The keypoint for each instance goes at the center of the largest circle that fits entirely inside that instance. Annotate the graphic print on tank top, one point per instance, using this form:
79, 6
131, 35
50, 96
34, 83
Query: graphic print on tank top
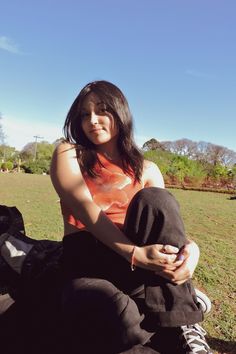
108, 189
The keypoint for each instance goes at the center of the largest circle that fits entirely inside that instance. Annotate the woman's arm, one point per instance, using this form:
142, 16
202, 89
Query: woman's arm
152, 176
68, 181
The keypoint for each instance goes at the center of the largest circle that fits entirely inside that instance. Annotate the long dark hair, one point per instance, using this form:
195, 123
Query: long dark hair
117, 105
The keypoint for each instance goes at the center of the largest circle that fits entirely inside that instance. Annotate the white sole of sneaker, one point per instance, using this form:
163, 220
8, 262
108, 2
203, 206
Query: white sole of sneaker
204, 301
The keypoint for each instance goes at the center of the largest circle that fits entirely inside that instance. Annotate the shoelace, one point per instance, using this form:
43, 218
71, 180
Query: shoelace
194, 336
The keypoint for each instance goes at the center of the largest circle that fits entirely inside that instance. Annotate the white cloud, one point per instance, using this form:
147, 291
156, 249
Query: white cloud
196, 73
8, 45
20, 132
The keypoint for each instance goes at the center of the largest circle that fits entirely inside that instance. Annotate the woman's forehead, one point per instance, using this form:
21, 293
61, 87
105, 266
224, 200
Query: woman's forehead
91, 99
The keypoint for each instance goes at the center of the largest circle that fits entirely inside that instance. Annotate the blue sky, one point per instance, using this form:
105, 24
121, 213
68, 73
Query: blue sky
174, 60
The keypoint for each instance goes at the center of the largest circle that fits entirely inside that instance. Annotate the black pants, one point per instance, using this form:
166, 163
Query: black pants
112, 307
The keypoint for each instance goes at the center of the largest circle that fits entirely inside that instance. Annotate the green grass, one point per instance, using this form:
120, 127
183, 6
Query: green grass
210, 220
39, 204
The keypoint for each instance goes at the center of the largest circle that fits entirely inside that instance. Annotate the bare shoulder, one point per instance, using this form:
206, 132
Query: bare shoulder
152, 176
65, 146
64, 163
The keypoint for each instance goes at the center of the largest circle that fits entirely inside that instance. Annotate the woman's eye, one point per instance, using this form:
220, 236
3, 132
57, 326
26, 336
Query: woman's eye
103, 110
84, 115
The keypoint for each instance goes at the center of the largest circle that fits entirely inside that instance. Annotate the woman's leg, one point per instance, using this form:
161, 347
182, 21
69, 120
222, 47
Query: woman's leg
100, 318
94, 308
153, 216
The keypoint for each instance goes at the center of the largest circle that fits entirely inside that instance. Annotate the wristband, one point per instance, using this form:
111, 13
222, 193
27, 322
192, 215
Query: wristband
132, 265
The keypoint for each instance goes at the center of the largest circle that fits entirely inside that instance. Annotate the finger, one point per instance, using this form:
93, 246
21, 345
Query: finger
181, 274
185, 251
164, 267
171, 276
168, 249
169, 259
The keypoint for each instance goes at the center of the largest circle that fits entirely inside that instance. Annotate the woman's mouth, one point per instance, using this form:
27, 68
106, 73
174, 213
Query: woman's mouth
96, 130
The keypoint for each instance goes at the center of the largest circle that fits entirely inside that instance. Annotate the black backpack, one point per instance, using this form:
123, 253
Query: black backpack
42, 265
11, 220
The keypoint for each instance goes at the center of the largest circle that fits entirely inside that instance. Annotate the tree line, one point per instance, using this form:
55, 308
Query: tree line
197, 164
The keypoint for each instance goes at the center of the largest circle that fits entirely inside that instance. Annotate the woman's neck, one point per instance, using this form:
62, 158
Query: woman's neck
114, 156
110, 151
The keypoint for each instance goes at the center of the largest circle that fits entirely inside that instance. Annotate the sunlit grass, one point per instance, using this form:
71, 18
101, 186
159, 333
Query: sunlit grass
39, 204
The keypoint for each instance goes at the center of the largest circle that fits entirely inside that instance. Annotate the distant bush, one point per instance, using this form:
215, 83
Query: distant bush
186, 171
179, 170
7, 166
161, 158
36, 167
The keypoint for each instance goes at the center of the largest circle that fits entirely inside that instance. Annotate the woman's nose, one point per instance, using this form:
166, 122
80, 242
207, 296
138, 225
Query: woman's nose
94, 118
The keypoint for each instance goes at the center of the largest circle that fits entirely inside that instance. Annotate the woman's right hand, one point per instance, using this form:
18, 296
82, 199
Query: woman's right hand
157, 257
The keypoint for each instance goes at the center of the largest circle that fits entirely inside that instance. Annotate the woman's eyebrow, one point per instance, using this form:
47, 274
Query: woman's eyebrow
97, 104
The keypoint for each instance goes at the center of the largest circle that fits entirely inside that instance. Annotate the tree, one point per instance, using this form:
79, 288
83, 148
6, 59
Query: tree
2, 135
7, 153
44, 151
152, 144
183, 147
206, 153
27, 153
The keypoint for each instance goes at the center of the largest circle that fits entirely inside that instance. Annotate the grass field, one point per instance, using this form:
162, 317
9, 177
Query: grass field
210, 220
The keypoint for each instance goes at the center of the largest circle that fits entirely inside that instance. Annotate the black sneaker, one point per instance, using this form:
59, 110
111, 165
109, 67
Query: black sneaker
193, 340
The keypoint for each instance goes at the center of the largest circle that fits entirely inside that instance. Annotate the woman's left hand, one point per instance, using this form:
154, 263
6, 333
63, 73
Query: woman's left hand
190, 255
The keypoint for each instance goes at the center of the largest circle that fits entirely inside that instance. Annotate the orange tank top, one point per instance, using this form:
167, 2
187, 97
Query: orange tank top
112, 190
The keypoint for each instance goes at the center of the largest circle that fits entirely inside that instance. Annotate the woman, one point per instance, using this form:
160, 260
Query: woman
119, 218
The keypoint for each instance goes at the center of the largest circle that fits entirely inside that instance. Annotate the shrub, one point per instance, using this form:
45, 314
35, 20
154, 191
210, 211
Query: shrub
36, 167
186, 170
7, 166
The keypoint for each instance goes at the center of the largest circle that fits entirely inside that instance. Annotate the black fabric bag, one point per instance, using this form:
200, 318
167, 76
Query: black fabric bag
11, 220
42, 266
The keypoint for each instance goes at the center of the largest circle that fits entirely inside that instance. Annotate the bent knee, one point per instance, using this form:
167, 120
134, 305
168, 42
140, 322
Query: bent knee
154, 194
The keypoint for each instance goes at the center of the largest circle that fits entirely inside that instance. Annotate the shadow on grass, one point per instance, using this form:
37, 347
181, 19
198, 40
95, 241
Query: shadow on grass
222, 346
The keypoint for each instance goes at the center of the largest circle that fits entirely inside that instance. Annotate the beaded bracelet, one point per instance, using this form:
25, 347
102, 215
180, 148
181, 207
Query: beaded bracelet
132, 265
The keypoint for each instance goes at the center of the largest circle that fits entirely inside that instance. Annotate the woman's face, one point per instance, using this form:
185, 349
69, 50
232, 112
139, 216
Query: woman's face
98, 125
